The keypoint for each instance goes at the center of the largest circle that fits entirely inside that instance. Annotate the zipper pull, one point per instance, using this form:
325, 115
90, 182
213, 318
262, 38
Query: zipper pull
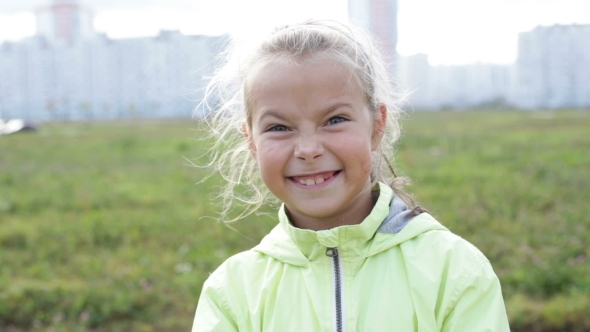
331, 252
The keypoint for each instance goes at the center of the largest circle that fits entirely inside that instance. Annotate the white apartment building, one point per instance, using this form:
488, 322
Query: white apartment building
553, 68
379, 18
413, 81
68, 72
469, 86
424, 86
552, 71
443, 87
65, 21
105, 79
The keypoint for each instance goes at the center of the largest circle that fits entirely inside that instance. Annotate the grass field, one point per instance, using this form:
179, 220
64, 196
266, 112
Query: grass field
102, 227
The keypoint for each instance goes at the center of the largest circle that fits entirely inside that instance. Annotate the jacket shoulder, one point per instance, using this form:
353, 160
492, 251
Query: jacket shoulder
241, 263
451, 244
454, 266
445, 247
469, 290
451, 260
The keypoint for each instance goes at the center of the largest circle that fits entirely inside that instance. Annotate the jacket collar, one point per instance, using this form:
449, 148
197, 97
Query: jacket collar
299, 246
389, 224
350, 235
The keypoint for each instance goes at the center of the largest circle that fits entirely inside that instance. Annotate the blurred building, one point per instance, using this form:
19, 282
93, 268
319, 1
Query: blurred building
65, 21
552, 71
425, 86
553, 67
379, 18
101, 78
69, 72
414, 81
452, 87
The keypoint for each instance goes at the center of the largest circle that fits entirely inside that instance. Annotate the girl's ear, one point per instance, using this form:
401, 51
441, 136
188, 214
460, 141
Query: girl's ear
248, 136
379, 123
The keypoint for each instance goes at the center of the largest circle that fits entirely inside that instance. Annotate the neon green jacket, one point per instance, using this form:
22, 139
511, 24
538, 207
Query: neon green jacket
393, 272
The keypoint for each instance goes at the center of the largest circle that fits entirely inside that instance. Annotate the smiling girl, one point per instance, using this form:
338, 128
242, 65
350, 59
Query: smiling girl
311, 113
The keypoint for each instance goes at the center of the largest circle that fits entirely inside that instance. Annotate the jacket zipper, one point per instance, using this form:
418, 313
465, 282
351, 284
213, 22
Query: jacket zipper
333, 253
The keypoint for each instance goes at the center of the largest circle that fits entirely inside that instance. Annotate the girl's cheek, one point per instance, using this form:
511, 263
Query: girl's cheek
270, 152
264, 146
367, 165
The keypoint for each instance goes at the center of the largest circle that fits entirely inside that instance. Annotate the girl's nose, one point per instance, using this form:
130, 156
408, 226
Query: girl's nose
308, 148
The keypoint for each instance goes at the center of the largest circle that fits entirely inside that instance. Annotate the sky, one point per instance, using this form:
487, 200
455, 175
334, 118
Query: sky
451, 32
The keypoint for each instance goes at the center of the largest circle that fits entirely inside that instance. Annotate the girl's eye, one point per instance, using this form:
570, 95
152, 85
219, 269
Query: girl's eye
335, 120
278, 128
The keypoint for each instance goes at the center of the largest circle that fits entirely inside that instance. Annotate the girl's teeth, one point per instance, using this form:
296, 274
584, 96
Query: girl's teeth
310, 181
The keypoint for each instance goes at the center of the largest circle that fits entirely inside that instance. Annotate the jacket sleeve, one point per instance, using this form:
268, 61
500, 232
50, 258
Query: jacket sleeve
213, 313
479, 306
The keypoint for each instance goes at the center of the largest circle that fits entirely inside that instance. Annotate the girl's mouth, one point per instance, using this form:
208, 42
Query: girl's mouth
313, 179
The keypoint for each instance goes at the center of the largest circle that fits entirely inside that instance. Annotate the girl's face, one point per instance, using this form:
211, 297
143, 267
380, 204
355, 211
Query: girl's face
312, 135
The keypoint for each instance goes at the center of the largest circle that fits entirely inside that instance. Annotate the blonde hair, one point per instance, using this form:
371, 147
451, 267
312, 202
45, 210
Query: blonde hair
227, 94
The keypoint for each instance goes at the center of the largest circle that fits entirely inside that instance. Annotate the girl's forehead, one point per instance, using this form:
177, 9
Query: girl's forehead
294, 72
283, 64
305, 87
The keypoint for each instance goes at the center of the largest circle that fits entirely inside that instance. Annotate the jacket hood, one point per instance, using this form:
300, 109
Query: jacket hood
389, 224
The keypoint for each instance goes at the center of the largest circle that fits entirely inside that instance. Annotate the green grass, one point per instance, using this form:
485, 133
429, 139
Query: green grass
103, 227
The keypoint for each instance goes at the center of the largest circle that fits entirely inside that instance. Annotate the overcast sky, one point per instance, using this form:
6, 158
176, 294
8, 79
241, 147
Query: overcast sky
449, 31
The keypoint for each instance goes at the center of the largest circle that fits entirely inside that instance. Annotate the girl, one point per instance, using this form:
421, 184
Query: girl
311, 111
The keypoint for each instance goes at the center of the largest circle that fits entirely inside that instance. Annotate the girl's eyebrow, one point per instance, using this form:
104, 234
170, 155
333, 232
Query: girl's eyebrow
336, 106
272, 113
280, 116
